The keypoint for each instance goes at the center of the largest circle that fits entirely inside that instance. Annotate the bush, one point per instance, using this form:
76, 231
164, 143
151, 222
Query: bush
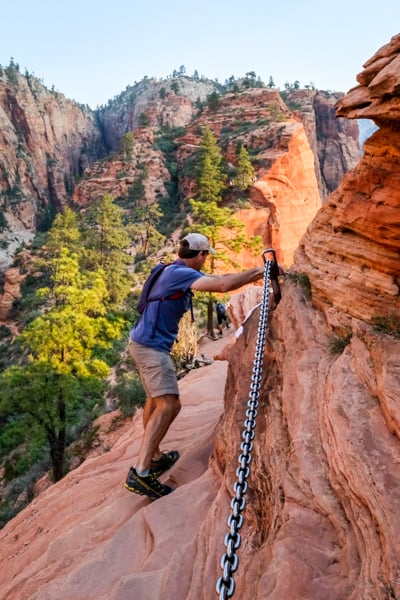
304, 282
387, 325
185, 348
129, 393
338, 343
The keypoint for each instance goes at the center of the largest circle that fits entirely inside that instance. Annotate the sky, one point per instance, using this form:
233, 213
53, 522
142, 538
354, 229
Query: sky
92, 50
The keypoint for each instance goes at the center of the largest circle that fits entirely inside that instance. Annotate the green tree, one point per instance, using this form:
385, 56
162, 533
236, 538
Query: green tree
144, 120
213, 101
245, 171
62, 364
146, 219
127, 145
106, 241
210, 175
65, 233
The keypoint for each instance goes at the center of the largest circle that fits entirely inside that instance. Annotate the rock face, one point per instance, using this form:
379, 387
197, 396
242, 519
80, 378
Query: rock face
117, 176
334, 141
165, 103
12, 291
322, 509
284, 196
46, 141
355, 238
376, 97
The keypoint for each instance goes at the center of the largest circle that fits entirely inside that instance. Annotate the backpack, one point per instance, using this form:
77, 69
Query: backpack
220, 308
144, 297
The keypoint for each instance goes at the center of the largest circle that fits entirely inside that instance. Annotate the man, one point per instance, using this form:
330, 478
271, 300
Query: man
150, 344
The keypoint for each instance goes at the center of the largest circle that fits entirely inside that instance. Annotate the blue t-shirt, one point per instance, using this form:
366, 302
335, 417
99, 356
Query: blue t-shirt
158, 324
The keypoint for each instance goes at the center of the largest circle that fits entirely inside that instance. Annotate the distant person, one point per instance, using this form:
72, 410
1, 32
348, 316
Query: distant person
222, 317
150, 343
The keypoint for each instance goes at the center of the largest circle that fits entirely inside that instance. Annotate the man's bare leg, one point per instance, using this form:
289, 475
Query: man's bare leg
160, 413
147, 412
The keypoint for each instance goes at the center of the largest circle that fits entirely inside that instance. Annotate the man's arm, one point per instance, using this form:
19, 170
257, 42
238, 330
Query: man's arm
227, 282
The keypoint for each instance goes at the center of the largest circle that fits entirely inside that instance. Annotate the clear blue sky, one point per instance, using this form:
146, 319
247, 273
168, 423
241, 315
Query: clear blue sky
91, 50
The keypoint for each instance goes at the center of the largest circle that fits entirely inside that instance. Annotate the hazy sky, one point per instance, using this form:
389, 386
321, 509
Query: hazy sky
91, 50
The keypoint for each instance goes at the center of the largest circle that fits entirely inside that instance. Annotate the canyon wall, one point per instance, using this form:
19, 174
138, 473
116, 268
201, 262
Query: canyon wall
50, 144
46, 142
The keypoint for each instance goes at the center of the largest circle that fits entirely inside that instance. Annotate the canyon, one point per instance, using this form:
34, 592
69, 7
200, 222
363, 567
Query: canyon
321, 517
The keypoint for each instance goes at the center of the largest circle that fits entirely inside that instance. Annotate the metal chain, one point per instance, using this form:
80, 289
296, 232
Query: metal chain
229, 561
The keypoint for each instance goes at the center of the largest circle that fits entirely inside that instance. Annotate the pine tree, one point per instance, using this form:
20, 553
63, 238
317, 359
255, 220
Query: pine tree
106, 240
211, 219
127, 145
65, 233
245, 170
63, 372
210, 175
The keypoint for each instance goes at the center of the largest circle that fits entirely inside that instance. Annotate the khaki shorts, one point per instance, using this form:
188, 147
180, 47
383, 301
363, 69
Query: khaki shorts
156, 370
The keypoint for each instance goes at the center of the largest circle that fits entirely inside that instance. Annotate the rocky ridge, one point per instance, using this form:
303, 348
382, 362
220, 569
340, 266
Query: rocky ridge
48, 142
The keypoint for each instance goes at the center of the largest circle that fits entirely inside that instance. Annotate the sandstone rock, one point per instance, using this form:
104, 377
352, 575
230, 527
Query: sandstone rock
45, 139
12, 291
355, 237
377, 97
334, 141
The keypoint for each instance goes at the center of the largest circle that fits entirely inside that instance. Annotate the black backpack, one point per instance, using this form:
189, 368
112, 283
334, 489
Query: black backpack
144, 297
220, 309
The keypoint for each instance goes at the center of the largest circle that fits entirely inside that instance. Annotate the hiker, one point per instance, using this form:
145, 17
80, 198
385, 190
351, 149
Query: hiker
150, 343
222, 317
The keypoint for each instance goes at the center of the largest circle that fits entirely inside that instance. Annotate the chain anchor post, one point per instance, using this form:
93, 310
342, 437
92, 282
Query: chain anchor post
274, 274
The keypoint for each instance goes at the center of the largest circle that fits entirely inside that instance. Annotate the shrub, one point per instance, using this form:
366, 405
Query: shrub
387, 325
338, 343
185, 348
121, 175
129, 393
303, 281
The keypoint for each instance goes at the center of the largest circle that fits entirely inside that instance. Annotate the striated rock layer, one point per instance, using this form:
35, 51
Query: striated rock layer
351, 249
46, 141
334, 141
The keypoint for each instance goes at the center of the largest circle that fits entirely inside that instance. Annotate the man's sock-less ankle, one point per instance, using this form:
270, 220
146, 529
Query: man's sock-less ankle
143, 473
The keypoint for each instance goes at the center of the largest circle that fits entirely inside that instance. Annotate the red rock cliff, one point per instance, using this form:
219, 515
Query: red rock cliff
45, 141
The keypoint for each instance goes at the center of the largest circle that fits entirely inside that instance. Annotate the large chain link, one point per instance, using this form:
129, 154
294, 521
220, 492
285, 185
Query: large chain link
229, 561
